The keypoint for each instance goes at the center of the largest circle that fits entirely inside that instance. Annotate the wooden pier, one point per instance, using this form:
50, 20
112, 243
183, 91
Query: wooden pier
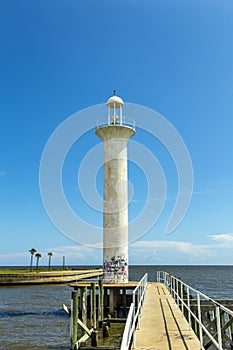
162, 325
97, 305
158, 316
117, 297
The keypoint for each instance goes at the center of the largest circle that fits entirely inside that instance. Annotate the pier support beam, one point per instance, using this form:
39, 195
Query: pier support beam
124, 302
101, 302
83, 298
93, 291
113, 301
74, 319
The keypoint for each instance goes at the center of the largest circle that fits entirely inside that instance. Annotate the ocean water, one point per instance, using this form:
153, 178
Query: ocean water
31, 317
214, 281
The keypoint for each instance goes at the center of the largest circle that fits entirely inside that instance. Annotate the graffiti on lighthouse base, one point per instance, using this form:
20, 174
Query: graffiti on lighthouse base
116, 269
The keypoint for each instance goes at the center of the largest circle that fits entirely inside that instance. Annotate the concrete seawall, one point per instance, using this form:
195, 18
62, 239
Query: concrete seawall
48, 277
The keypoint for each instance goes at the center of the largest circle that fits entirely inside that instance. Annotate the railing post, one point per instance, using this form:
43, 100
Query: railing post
141, 297
133, 340
166, 280
174, 289
199, 319
138, 300
172, 293
218, 321
189, 314
182, 297
177, 292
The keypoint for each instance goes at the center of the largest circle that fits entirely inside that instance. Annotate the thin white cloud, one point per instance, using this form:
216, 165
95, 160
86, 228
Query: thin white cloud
14, 259
226, 237
136, 201
74, 255
141, 252
75, 248
77, 254
183, 247
203, 193
223, 240
170, 252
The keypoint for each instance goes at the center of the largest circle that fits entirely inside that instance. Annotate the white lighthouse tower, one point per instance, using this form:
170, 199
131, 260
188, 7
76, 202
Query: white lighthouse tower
115, 132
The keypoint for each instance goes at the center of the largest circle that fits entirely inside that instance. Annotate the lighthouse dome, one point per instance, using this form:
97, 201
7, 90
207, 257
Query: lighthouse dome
115, 100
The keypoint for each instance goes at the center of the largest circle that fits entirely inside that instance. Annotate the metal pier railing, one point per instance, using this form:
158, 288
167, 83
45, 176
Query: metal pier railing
134, 314
211, 321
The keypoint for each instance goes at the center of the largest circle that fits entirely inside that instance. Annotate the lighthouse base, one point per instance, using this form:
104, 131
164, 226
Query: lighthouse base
115, 269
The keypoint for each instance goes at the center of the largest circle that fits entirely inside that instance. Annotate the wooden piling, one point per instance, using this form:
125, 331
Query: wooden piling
83, 303
194, 322
101, 302
93, 292
106, 301
111, 302
105, 330
116, 302
74, 320
94, 338
124, 302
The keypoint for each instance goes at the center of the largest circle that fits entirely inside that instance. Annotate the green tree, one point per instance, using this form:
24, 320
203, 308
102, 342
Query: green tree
38, 256
50, 256
32, 251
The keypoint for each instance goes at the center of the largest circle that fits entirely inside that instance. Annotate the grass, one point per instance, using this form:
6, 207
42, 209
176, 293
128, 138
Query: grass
7, 271
19, 271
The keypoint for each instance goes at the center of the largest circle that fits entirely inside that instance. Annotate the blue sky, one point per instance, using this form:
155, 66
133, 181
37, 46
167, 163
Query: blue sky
175, 57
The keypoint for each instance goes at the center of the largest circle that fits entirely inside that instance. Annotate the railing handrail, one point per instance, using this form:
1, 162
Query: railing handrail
112, 121
200, 293
172, 283
127, 330
134, 315
142, 280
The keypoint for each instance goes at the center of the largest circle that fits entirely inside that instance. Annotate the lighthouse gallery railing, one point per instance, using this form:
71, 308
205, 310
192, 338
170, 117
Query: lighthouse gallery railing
115, 120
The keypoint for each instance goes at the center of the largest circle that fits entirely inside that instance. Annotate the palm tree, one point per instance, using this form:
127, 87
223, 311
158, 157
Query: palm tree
38, 256
50, 256
32, 251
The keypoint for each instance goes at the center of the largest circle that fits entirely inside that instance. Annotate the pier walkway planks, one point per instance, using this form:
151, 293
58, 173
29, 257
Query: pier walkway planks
162, 326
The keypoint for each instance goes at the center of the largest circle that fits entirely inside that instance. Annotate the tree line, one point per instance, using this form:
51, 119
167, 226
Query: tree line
38, 256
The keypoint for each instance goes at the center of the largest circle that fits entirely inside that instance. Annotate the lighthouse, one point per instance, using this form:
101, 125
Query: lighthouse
115, 131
